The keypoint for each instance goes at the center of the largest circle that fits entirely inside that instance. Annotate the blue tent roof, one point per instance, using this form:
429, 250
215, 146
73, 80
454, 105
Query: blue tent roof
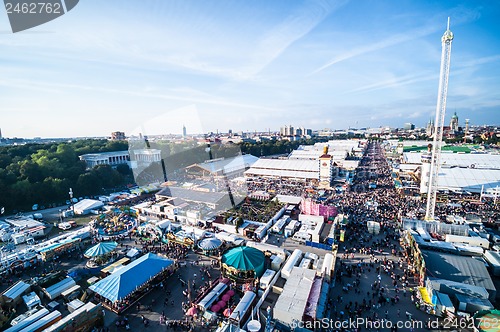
127, 279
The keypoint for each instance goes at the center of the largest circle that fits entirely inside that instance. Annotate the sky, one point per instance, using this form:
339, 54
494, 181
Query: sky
152, 66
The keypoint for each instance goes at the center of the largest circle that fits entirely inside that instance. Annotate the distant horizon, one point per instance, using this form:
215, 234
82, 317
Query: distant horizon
156, 65
220, 132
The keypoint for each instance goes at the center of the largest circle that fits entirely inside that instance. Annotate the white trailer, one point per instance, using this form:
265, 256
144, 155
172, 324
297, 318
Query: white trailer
470, 240
315, 234
265, 247
493, 259
305, 263
276, 262
214, 294
28, 321
291, 228
43, 322
266, 279
280, 224
328, 267
243, 308
290, 263
301, 237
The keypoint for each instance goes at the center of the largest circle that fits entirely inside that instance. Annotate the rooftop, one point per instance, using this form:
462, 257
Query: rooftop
101, 155
227, 164
194, 195
456, 268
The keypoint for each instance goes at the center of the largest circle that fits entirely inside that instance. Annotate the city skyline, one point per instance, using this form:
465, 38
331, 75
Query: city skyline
152, 67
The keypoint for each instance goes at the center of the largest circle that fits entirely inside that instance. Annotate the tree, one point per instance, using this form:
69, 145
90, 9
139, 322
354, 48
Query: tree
123, 169
88, 184
66, 154
31, 171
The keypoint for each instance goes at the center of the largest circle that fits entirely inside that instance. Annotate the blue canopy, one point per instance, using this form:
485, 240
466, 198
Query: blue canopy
210, 243
124, 281
100, 249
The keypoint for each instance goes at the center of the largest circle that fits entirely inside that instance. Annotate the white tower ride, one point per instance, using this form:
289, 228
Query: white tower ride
439, 122
425, 170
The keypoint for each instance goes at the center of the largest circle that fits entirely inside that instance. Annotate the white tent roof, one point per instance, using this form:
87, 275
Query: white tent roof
469, 179
287, 164
283, 173
88, 204
315, 154
305, 154
288, 168
289, 199
349, 164
228, 165
293, 300
473, 160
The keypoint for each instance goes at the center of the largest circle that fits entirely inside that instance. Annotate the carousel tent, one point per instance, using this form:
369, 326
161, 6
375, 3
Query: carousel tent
209, 244
124, 281
245, 259
100, 249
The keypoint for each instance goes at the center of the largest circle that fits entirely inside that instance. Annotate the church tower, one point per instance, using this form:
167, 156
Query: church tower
325, 169
454, 122
429, 130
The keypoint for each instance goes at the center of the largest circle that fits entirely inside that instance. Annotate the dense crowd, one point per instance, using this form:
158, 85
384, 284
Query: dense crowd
372, 258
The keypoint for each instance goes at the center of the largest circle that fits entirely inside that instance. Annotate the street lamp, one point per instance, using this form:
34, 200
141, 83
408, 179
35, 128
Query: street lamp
71, 199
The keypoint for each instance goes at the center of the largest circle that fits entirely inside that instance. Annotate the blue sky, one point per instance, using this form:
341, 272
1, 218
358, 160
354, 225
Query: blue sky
152, 66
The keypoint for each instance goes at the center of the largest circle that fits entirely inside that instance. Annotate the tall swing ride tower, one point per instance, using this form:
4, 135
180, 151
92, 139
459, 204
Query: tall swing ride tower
439, 123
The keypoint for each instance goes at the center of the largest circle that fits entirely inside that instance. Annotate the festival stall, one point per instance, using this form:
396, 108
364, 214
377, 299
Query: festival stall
121, 289
59, 248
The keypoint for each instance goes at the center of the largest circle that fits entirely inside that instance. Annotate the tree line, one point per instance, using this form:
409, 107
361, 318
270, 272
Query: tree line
43, 173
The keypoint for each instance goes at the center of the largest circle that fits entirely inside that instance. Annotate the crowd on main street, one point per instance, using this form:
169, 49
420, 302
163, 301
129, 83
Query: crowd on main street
372, 280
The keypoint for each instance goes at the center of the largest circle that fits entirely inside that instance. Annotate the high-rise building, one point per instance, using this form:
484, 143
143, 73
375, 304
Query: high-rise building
287, 131
291, 131
118, 136
409, 126
184, 132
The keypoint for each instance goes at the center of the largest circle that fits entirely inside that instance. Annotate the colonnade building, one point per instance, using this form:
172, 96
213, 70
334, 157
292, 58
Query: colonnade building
144, 156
